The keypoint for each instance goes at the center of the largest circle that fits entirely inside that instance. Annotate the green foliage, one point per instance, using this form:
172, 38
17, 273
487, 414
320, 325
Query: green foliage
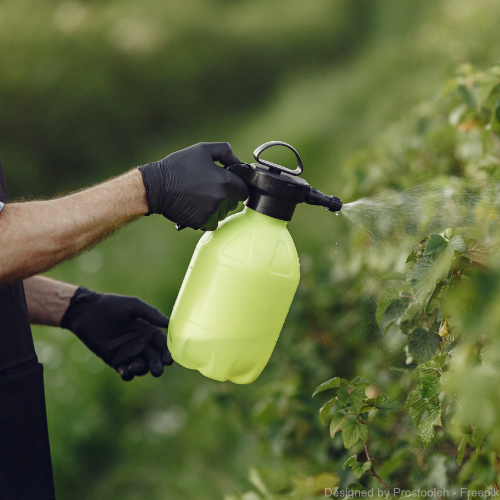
358, 469
424, 400
330, 384
385, 405
422, 344
436, 266
351, 408
352, 431
440, 304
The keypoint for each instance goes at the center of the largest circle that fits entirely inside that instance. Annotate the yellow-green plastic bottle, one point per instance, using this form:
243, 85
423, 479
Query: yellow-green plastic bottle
235, 297
242, 278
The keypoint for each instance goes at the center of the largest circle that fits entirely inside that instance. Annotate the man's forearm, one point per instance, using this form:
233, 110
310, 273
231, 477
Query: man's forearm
47, 300
35, 236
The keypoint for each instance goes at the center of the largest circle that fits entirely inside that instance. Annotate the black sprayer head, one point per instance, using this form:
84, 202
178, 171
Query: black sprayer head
275, 190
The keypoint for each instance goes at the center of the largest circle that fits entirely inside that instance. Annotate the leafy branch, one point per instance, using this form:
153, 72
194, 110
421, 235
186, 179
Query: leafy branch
415, 302
347, 412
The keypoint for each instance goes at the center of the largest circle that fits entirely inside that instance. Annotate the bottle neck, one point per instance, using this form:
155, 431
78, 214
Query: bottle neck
250, 212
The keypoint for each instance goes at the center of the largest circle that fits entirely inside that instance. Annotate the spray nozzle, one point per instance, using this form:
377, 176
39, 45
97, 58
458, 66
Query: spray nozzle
316, 197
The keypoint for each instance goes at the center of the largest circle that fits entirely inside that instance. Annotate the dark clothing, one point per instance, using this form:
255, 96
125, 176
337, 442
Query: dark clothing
25, 465
16, 343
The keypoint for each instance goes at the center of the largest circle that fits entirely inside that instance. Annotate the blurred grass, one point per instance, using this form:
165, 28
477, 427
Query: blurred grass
91, 89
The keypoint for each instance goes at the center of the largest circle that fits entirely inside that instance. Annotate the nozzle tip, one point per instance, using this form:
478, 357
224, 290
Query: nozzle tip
335, 205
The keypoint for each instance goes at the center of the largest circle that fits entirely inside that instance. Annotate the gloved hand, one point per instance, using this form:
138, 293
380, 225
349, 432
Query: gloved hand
121, 330
188, 188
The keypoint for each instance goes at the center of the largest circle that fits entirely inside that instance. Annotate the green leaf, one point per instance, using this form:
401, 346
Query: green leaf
412, 257
389, 295
478, 436
435, 246
336, 423
416, 405
353, 431
324, 412
356, 487
394, 313
423, 277
434, 364
358, 469
453, 231
428, 303
344, 397
367, 466
387, 405
350, 461
423, 406
359, 381
413, 315
358, 395
423, 344
329, 384
430, 385
355, 398
426, 427
476, 252
461, 448
457, 244
366, 409
463, 263
404, 326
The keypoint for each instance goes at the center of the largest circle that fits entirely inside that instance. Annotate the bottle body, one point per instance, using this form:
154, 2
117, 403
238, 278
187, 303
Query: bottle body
235, 297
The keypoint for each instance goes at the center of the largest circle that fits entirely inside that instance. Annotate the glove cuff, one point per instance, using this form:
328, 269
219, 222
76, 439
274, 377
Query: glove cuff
158, 182
81, 298
150, 173
146, 186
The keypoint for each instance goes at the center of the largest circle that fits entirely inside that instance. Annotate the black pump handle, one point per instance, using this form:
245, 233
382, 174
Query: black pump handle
273, 166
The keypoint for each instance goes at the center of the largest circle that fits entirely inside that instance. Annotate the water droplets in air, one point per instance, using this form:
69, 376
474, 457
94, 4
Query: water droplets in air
391, 222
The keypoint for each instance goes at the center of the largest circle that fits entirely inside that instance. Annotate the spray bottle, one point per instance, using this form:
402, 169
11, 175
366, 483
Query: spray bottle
243, 276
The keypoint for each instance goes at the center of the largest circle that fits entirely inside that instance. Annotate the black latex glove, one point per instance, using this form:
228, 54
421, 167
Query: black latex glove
188, 188
123, 331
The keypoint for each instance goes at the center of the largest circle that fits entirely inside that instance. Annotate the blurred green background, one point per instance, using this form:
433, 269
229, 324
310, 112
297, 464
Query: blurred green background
91, 89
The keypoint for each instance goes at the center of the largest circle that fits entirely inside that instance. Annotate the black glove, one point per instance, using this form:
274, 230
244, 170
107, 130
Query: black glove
188, 188
121, 330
